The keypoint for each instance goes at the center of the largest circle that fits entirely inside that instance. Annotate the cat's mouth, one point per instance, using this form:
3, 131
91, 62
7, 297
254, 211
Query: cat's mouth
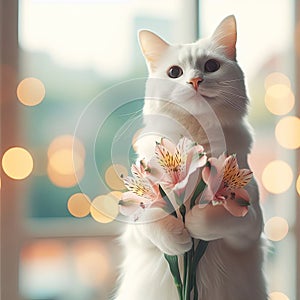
202, 91
207, 94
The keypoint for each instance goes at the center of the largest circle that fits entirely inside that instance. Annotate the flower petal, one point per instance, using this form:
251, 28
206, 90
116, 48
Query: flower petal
234, 177
242, 194
206, 174
230, 165
219, 162
239, 205
167, 144
235, 209
131, 204
184, 145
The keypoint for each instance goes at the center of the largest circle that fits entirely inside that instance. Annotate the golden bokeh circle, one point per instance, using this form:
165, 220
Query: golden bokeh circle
64, 180
17, 163
114, 176
277, 78
65, 161
66, 141
287, 132
279, 99
277, 177
79, 205
104, 208
276, 228
278, 296
31, 91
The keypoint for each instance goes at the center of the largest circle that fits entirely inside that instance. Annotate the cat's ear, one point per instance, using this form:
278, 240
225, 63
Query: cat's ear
225, 36
152, 46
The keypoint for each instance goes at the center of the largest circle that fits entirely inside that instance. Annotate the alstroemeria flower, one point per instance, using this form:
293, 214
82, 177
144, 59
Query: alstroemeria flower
225, 184
175, 163
142, 193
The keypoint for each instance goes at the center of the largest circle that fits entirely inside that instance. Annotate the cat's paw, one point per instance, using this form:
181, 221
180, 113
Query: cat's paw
205, 222
176, 239
169, 235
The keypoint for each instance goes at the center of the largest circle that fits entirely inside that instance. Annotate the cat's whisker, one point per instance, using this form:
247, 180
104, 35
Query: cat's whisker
232, 80
233, 104
234, 94
227, 86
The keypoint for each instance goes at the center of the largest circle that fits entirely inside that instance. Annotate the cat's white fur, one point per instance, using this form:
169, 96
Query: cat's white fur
214, 116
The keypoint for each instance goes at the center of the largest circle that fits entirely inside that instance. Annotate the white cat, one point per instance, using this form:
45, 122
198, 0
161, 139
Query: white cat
196, 90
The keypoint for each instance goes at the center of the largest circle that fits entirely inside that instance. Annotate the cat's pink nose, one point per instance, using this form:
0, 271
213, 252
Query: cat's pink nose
195, 82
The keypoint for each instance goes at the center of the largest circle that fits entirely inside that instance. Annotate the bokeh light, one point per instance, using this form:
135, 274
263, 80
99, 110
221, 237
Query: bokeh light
279, 99
287, 132
278, 296
277, 78
79, 205
66, 158
277, 177
65, 161
62, 180
66, 141
92, 262
298, 185
17, 163
276, 228
114, 176
105, 208
116, 194
44, 249
31, 91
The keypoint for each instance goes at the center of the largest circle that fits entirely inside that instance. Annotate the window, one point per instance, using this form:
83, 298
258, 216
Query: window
65, 120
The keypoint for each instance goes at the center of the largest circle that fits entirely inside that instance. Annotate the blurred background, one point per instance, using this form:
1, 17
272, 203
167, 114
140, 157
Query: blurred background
62, 124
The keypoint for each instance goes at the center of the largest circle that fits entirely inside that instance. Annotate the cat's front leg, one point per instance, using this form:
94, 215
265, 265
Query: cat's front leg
165, 232
215, 222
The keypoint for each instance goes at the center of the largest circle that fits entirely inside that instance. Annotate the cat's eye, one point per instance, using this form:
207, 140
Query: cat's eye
212, 65
174, 72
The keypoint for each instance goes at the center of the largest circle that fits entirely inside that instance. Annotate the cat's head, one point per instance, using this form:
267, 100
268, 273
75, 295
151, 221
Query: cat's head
207, 67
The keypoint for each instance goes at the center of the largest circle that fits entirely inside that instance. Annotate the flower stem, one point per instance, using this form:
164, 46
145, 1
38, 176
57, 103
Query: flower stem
188, 284
182, 210
199, 252
199, 189
173, 265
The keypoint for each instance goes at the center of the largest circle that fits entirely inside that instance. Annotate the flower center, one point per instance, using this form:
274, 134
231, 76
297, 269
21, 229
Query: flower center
171, 163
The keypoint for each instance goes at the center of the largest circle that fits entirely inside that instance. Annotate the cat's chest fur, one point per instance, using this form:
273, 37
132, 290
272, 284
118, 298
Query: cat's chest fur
215, 135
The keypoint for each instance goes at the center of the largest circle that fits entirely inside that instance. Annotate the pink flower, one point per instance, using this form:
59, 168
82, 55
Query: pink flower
142, 193
225, 184
174, 164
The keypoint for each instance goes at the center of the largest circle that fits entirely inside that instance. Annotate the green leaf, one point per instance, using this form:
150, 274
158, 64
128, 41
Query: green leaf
199, 252
188, 283
173, 265
182, 210
199, 189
